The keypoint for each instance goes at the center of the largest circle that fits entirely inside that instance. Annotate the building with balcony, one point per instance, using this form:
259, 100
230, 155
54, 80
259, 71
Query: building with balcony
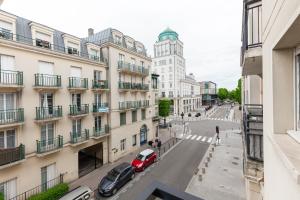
281, 64
53, 105
208, 92
131, 108
252, 98
169, 62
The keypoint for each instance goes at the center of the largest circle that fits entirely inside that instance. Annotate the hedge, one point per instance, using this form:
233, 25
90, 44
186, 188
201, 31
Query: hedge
53, 193
1, 196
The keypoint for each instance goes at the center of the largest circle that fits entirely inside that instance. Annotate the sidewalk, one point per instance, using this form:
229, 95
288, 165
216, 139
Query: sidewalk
223, 178
92, 179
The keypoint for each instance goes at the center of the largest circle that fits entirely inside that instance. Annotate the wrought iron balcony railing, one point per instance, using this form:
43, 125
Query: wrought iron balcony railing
11, 78
99, 84
99, 131
100, 107
11, 116
46, 80
43, 113
131, 68
45, 146
78, 83
11, 155
79, 110
80, 136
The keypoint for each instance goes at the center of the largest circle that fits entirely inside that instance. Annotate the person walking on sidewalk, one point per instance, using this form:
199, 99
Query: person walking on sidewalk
218, 136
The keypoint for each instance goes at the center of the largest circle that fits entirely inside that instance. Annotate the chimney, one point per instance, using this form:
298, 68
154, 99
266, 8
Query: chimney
91, 31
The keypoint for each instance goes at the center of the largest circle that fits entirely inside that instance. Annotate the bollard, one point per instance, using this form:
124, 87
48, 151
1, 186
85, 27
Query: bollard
213, 149
208, 159
200, 177
203, 170
210, 154
206, 164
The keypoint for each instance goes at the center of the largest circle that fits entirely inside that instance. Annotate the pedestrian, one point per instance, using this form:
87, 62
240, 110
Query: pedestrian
218, 136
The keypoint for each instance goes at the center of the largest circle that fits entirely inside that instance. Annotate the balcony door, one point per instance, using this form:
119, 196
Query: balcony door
47, 136
47, 69
7, 68
76, 74
76, 100
98, 123
9, 188
47, 104
48, 173
76, 127
98, 100
7, 139
7, 107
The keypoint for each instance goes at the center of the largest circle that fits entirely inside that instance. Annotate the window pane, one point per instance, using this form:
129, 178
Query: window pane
10, 138
1, 139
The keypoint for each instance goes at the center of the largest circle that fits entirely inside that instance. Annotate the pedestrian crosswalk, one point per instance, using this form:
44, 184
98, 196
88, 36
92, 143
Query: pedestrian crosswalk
199, 138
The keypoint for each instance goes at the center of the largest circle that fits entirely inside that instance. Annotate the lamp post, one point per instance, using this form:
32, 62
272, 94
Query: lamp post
182, 115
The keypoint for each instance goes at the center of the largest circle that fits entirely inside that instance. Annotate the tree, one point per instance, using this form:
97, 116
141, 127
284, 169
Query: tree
164, 108
238, 92
222, 93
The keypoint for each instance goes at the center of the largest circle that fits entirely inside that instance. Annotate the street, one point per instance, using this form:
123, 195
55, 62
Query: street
177, 167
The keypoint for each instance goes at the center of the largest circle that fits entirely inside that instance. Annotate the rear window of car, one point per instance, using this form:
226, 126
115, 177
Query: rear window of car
140, 157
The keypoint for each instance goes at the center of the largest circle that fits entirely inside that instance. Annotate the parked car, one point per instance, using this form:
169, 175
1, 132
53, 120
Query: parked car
189, 114
115, 179
144, 159
198, 115
79, 193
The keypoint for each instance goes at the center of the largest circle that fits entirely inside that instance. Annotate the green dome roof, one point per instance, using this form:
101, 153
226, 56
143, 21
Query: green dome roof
168, 34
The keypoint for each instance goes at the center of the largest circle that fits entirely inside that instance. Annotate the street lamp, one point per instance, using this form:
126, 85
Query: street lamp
182, 115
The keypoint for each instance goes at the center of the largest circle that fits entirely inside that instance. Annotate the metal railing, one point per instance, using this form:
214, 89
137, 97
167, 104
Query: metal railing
133, 86
99, 84
124, 85
81, 83
145, 103
41, 188
8, 35
11, 116
79, 110
8, 77
43, 113
81, 136
98, 131
100, 107
125, 105
44, 146
11, 155
124, 66
46, 80
253, 131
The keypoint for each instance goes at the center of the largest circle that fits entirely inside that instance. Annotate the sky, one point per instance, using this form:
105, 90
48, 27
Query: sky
209, 29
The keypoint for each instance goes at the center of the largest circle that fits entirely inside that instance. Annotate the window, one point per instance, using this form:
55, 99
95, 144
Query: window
6, 63
170, 61
122, 119
171, 85
170, 69
46, 101
9, 188
170, 93
170, 76
162, 78
121, 58
97, 75
143, 114
118, 39
133, 61
134, 116
155, 63
162, 62
142, 63
97, 122
123, 144
72, 48
47, 136
162, 85
46, 68
48, 173
8, 139
76, 100
94, 54
162, 70
76, 127
43, 40
133, 140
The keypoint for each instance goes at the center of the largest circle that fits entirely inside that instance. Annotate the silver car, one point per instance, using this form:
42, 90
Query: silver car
79, 193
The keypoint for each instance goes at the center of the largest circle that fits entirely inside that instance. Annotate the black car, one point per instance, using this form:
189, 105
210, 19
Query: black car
115, 179
198, 115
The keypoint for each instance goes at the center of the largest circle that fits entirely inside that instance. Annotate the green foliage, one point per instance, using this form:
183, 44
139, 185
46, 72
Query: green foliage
53, 193
1, 196
223, 93
164, 107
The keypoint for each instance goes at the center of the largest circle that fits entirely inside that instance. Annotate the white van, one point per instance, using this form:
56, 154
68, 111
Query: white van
79, 193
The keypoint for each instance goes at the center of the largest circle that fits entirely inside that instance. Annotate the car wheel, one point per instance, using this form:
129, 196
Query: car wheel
132, 176
143, 169
114, 191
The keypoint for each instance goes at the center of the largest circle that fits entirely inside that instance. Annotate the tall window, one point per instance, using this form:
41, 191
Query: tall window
122, 119
121, 58
76, 127
143, 114
97, 122
297, 78
9, 188
76, 99
97, 75
123, 144
134, 116
48, 173
8, 138
47, 135
134, 140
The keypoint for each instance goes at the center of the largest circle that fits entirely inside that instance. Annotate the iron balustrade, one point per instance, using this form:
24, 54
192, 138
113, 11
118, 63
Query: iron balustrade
46, 80
79, 110
98, 131
49, 112
79, 136
75, 82
253, 131
136, 104
125, 105
125, 85
44, 146
8, 35
11, 116
100, 84
41, 188
11, 155
100, 107
145, 103
127, 67
8, 77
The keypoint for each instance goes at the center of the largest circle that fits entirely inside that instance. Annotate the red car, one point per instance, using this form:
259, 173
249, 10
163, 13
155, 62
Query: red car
144, 159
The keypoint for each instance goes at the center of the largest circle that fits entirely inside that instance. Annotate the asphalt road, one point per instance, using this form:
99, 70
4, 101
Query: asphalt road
177, 167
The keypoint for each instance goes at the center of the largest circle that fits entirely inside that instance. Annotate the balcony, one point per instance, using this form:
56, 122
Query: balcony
100, 108
251, 51
79, 137
132, 69
11, 79
6, 34
45, 82
140, 87
76, 84
125, 105
11, 117
253, 132
100, 85
79, 111
45, 114
145, 103
124, 86
45, 147
136, 104
12, 156
100, 132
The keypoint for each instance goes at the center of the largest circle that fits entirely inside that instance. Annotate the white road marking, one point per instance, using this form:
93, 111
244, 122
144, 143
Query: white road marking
188, 137
203, 139
199, 137
193, 137
209, 140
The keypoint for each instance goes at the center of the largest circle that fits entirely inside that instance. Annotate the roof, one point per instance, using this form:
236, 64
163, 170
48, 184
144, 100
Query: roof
168, 34
77, 192
121, 166
146, 152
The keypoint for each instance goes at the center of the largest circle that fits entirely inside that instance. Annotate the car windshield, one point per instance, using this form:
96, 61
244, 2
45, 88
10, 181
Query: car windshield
140, 157
112, 175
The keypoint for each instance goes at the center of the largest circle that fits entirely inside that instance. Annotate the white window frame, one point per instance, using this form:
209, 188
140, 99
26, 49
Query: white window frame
123, 144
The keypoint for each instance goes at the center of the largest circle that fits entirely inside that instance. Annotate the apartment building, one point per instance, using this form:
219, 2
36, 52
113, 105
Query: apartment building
208, 92
169, 62
281, 28
54, 105
252, 77
131, 108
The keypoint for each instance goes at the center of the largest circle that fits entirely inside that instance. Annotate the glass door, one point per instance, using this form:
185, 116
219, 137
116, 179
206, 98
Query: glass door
47, 137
